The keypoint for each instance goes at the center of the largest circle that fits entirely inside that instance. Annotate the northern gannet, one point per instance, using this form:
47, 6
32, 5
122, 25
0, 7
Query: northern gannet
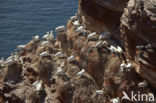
59, 71
99, 44
81, 72
59, 54
80, 29
123, 66
112, 49
36, 38
38, 85
20, 47
71, 58
46, 36
105, 35
60, 29
46, 53
76, 23
51, 35
143, 84
119, 50
91, 35
115, 100
99, 92
44, 43
73, 18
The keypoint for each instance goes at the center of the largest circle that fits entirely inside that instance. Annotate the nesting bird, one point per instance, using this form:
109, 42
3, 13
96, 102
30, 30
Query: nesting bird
38, 85
20, 47
71, 58
46, 36
46, 53
99, 92
123, 66
81, 72
119, 50
91, 36
143, 84
36, 38
76, 23
8, 62
80, 29
115, 100
73, 18
59, 71
51, 35
112, 49
59, 54
99, 44
2, 60
44, 43
105, 35
60, 29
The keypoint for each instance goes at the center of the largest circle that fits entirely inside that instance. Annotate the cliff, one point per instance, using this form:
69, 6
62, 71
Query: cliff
77, 70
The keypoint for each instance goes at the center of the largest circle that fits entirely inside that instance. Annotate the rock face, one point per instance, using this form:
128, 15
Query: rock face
138, 27
85, 69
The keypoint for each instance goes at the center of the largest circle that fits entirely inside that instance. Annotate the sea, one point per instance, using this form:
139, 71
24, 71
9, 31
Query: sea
20, 20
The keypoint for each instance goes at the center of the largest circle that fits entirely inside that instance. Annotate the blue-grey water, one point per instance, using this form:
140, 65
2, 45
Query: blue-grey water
22, 19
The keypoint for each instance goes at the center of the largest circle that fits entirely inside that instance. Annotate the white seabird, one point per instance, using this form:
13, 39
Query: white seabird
51, 35
60, 29
76, 23
99, 44
105, 35
20, 47
91, 35
38, 85
59, 71
36, 38
44, 43
119, 50
73, 18
81, 72
143, 84
58, 54
46, 36
44, 53
99, 92
2, 60
16, 56
8, 62
71, 58
124, 65
115, 100
112, 49
80, 29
